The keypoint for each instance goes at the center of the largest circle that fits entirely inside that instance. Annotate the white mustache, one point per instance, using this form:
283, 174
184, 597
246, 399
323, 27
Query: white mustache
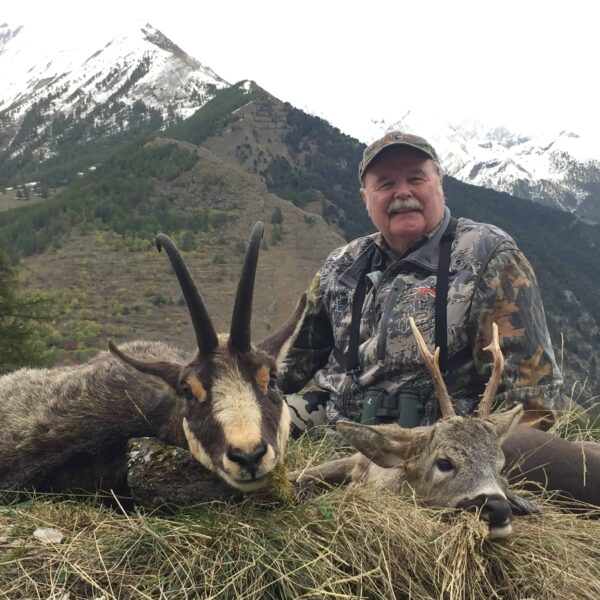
399, 205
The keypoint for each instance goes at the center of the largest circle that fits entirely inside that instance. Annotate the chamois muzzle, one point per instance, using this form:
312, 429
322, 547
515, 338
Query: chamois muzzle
248, 461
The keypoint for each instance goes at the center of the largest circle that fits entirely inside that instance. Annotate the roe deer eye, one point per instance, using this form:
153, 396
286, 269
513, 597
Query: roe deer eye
443, 464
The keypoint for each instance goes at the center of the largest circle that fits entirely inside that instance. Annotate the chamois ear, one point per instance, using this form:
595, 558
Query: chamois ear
280, 341
386, 445
168, 372
505, 422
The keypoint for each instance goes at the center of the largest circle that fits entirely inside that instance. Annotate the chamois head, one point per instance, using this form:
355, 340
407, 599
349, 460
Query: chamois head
234, 418
455, 462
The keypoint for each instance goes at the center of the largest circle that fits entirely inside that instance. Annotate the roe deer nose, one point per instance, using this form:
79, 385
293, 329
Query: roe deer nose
497, 511
248, 460
494, 508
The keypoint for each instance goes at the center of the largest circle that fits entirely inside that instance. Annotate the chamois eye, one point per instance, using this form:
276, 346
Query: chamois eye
273, 380
188, 394
443, 464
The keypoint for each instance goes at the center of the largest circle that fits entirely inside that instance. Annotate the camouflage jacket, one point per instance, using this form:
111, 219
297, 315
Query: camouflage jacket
490, 280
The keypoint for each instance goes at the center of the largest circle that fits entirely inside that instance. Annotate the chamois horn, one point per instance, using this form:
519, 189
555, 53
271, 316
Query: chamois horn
240, 336
205, 332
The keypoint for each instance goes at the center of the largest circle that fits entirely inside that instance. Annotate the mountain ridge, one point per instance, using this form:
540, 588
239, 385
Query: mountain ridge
133, 84
559, 169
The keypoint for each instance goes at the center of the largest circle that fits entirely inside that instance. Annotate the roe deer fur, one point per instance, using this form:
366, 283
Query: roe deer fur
455, 462
458, 461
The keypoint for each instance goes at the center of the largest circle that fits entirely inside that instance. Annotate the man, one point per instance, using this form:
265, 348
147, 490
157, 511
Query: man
454, 277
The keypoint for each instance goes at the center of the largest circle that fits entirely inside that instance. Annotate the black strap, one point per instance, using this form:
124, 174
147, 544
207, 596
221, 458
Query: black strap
314, 400
360, 292
351, 359
441, 293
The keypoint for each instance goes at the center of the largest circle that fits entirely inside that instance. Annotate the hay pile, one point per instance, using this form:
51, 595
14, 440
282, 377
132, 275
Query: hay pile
346, 543
343, 543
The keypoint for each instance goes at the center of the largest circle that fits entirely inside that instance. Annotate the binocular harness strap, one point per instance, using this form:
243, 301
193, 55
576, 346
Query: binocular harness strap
351, 360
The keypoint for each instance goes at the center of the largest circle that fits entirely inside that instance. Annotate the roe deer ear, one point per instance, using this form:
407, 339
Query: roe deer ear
386, 445
168, 372
522, 506
280, 341
537, 416
505, 422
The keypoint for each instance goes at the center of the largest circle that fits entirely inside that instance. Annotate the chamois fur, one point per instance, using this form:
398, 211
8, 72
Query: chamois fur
67, 428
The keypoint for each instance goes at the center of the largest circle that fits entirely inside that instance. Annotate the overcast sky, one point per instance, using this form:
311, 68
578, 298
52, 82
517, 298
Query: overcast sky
526, 64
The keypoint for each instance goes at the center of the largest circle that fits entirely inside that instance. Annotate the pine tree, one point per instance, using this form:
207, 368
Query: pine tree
20, 318
277, 216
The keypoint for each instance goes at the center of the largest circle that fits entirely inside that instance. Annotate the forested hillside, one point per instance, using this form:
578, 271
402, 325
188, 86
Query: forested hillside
92, 247
118, 196
300, 157
170, 186
25, 319
84, 141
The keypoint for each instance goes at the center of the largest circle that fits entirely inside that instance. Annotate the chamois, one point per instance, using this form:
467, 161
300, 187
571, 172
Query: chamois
67, 428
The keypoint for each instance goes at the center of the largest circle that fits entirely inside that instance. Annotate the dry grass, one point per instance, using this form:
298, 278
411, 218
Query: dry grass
344, 543
580, 421
347, 543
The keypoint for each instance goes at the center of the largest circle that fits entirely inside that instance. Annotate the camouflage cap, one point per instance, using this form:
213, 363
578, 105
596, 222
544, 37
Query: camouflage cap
395, 138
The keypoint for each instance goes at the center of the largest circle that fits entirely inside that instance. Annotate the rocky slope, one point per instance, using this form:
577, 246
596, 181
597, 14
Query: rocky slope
80, 91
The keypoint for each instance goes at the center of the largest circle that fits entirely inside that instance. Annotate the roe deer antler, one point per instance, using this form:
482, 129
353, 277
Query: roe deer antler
485, 406
433, 366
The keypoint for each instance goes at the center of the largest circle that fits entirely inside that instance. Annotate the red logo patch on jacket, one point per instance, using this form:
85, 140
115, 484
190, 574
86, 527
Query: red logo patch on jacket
425, 291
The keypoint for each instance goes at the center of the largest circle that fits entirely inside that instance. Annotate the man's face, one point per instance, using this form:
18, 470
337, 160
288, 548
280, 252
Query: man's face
403, 194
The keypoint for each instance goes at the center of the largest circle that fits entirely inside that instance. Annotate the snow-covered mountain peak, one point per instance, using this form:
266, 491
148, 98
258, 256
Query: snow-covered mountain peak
140, 61
86, 85
560, 167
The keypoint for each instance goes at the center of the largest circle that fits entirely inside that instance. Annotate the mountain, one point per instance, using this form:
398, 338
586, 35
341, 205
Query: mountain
204, 180
559, 169
300, 157
63, 107
110, 282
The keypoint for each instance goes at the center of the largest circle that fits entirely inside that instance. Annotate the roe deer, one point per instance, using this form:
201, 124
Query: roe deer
455, 462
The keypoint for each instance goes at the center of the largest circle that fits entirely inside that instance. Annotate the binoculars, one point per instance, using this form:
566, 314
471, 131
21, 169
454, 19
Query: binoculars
403, 408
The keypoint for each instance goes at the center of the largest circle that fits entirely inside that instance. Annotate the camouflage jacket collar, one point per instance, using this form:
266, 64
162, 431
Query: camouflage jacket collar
425, 255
